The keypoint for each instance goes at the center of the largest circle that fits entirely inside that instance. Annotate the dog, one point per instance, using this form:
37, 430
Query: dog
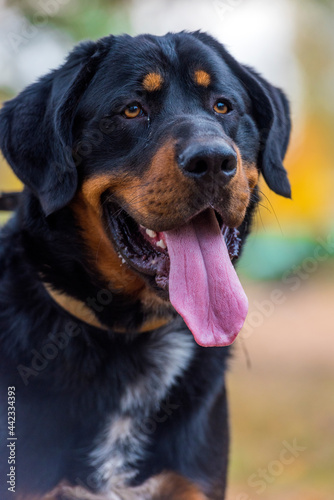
140, 159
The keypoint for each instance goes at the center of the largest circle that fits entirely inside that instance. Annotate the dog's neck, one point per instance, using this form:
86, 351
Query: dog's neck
73, 282
75, 307
81, 311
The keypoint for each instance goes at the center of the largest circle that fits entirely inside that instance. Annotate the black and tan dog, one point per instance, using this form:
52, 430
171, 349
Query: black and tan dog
141, 158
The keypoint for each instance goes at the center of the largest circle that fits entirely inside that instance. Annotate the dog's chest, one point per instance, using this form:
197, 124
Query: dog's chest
143, 406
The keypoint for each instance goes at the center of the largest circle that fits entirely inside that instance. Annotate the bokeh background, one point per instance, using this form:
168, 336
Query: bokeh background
281, 375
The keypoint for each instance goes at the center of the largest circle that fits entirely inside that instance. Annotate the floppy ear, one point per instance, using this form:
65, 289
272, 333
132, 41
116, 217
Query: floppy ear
271, 112
36, 127
271, 109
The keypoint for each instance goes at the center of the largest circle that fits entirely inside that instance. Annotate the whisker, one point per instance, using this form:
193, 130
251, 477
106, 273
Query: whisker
273, 211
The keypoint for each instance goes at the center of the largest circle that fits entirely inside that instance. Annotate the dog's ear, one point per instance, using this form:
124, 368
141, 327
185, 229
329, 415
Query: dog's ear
271, 112
36, 127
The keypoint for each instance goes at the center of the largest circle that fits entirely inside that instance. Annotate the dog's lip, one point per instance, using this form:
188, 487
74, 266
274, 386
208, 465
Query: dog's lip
146, 250
134, 246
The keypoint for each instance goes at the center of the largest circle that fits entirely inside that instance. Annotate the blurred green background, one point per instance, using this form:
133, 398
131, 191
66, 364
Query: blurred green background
281, 376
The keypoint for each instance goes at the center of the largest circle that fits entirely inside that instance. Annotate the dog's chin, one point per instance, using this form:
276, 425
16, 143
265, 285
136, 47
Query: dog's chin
146, 251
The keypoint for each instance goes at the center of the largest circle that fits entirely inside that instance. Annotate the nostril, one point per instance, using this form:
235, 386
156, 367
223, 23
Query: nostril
229, 166
197, 167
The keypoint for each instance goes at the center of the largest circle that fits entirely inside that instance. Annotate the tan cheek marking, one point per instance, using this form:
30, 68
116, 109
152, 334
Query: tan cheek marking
239, 195
157, 193
252, 174
93, 188
152, 82
202, 78
88, 211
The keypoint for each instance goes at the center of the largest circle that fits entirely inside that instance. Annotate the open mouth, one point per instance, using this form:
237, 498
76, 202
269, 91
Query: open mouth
146, 250
191, 265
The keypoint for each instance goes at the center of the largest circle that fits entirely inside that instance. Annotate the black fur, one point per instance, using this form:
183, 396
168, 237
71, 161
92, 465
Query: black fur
271, 111
63, 403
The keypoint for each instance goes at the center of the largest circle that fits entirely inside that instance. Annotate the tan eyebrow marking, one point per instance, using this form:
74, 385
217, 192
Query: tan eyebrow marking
152, 82
202, 78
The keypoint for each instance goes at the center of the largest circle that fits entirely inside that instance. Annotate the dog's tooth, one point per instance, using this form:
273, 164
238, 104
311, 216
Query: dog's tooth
150, 233
161, 244
121, 257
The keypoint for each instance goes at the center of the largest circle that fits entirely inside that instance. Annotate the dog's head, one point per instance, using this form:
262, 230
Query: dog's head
156, 145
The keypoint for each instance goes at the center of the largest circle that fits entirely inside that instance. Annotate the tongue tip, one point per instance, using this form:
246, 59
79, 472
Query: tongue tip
217, 337
214, 342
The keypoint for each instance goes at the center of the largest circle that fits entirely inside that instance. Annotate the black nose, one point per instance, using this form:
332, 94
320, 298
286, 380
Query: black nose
199, 161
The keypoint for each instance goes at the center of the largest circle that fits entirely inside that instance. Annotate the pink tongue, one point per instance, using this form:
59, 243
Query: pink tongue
203, 285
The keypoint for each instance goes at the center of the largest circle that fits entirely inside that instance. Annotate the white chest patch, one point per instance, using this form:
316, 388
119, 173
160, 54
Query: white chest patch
127, 435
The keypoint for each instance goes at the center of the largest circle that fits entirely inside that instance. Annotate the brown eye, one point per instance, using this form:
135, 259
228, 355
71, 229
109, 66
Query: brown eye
221, 107
133, 110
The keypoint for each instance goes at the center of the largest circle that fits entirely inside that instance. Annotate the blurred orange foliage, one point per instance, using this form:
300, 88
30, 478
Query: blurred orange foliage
309, 163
